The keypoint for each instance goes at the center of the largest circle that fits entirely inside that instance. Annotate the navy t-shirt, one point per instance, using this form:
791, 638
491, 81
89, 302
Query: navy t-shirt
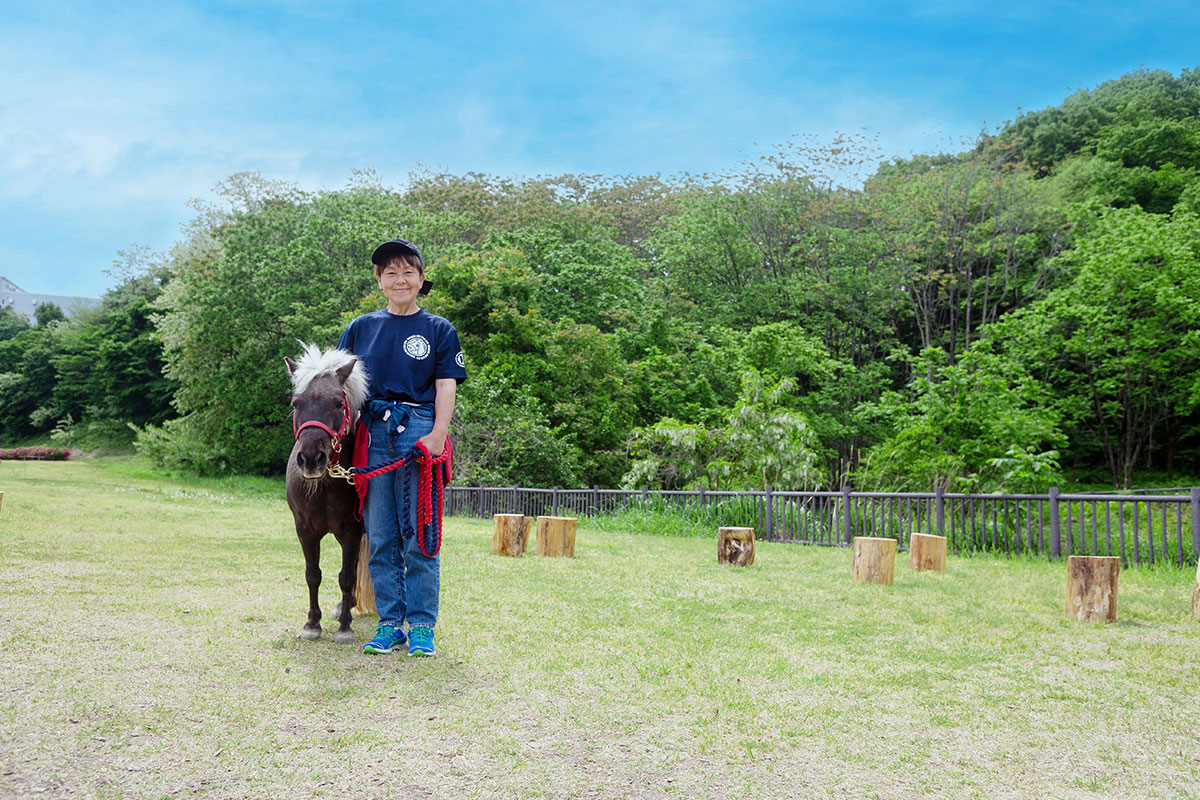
405, 355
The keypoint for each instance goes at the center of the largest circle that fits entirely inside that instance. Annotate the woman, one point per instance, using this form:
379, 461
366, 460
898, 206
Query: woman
415, 363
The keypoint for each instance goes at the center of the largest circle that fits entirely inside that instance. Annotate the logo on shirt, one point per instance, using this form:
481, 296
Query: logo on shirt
416, 346
458, 359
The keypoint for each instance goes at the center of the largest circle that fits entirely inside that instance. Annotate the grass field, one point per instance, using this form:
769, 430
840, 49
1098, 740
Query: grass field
148, 649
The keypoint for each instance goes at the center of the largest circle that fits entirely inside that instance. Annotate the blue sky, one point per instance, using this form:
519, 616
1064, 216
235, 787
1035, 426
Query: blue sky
113, 116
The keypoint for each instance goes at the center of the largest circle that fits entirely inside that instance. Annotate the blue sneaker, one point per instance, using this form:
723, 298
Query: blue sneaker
420, 642
386, 640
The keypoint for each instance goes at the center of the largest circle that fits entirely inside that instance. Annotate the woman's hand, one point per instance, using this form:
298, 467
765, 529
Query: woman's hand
434, 442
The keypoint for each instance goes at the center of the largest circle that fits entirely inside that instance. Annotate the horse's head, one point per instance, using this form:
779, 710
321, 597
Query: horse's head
328, 389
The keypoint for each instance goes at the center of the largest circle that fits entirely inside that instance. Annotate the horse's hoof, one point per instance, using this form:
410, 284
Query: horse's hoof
309, 634
343, 637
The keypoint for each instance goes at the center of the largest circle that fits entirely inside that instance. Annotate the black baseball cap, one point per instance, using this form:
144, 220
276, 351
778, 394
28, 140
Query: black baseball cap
400, 247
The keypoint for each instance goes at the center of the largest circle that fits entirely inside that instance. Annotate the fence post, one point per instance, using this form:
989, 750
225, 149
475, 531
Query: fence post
704, 500
847, 532
645, 497
516, 501
596, 497
1055, 541
554, 503
770, 533
1195, 522
941, 509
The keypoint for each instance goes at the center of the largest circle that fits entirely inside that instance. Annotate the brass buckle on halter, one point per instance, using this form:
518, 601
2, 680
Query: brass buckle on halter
336, 470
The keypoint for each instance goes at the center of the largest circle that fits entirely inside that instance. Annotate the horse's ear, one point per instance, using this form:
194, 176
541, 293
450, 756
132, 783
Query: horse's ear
344, 371
291, 365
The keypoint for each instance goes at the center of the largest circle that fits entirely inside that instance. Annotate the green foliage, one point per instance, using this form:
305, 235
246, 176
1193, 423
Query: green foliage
1152, 143
1024, 470
27, 380
1119, 342
955, 419
109, 365
48, 313
973, 236
503, 437
1047, 137
12, 322
584, 275
764, 442
1132, 141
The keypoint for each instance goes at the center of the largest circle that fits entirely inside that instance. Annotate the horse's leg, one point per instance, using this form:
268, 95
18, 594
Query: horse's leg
312, 575
346, 579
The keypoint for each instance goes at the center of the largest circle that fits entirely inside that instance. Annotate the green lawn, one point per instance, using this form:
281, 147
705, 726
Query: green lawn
149, 649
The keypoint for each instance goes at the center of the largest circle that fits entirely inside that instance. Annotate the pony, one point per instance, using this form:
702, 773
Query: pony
328, 389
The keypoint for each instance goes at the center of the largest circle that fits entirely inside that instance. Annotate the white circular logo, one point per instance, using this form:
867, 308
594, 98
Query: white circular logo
458, 359
416, 346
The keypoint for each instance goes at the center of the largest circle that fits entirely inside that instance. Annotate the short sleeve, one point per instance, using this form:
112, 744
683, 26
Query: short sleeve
450, 360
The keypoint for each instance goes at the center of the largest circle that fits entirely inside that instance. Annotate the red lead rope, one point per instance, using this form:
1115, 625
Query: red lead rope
434, 474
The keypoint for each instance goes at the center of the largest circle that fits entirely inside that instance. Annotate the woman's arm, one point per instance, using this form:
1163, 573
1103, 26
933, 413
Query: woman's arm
443, 410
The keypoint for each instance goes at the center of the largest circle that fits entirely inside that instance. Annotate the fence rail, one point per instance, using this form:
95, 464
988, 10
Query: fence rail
1140, 528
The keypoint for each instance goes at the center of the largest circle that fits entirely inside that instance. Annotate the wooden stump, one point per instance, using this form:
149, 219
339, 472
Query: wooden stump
873, 560
1196, 594
927, 552
1092, 588
735, 546
510, 534
364, 590
556, 536
1, 499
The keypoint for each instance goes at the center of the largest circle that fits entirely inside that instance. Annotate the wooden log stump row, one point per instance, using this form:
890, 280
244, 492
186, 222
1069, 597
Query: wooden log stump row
735, 546
927, 552
1092, 588
510, 534
364, 590
873, 560
1196, 594
556, 536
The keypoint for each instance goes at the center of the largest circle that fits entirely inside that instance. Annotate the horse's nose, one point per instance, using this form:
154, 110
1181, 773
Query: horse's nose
311, 462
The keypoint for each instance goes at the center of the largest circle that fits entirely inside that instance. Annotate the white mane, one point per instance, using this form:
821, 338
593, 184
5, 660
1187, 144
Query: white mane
313, 363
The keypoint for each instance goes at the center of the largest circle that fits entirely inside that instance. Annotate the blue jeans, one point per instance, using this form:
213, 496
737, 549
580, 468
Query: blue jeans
406, 582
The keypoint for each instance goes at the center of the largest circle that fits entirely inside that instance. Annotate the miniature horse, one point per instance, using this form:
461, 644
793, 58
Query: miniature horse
328, 388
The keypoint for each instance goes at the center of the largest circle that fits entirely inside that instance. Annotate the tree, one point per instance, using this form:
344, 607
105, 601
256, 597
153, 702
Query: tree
955, 419
1119, 342
763, 442
1045, 138
109, 365
12, 322
27, 381
47, 313
973, 235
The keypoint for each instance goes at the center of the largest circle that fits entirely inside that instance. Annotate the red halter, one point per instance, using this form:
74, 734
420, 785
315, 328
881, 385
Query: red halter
336, 437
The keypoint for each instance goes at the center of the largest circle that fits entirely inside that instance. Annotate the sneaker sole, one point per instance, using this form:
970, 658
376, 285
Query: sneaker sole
422, 653
379, 651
